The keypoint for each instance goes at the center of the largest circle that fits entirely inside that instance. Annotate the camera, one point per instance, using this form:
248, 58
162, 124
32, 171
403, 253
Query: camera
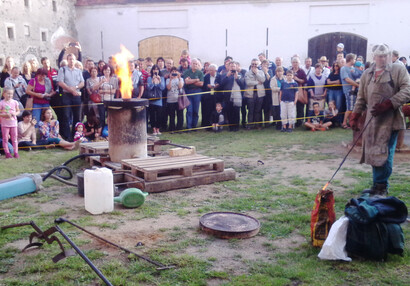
155, 73
174, 74
233, 71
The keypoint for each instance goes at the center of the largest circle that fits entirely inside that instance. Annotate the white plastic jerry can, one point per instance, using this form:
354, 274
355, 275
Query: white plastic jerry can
99, 191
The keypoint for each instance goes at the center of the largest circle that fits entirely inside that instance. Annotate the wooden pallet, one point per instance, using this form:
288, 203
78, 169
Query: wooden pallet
101, 147
166, 167
103, 161
164, 173
200, 178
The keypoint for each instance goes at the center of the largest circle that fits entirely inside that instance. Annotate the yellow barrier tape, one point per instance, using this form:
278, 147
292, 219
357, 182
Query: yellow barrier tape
198, 93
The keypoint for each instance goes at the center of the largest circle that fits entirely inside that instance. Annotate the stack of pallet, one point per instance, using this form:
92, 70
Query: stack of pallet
165, 173
162, 173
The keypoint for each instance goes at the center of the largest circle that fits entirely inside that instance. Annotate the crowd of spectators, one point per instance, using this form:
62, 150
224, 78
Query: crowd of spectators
265, 94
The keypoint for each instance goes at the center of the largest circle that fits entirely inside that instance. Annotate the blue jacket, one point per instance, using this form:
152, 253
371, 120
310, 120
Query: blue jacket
157, 90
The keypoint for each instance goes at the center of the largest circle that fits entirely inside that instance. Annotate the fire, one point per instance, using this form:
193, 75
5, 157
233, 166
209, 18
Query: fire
123, 71
325, 186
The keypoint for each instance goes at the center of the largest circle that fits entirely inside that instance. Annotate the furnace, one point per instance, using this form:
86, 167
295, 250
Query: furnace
127, 128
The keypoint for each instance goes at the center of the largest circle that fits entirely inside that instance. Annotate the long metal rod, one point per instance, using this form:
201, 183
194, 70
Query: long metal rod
177, 145
161, 266
83, 256
354, 144
16, 225
32, 223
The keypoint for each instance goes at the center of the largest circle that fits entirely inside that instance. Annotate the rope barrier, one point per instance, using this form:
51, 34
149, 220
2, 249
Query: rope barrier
192, 129
197, 128
192, 94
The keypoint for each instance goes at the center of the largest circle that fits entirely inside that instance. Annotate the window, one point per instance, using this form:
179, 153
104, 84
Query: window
44, 36
27, 30
10, 33
54, 5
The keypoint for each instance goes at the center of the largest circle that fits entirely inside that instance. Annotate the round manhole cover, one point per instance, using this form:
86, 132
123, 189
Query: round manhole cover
229, 225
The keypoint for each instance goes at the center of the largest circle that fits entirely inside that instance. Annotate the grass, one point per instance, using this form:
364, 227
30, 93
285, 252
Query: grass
282, 202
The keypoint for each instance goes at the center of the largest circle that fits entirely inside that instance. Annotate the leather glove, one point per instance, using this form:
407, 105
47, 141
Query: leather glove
354, 121
381, 108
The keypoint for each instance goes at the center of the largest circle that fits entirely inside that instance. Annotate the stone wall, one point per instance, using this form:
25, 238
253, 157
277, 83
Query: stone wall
35, 28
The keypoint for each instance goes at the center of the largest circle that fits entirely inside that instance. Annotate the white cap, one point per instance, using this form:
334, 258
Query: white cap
340, 45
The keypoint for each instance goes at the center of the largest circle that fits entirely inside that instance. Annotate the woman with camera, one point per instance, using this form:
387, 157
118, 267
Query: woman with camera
174, 86
155, 86
108, 90
41, 90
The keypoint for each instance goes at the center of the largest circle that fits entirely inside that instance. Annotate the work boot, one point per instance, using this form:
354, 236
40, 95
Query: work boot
377, 190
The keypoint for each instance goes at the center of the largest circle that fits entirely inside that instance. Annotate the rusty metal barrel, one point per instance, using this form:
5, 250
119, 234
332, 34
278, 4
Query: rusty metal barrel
127, 128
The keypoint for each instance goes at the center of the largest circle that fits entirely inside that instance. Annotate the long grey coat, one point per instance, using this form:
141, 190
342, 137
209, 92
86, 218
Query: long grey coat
393, 84
253, 80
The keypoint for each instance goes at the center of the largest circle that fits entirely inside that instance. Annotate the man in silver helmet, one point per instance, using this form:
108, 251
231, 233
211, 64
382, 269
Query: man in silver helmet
384, 88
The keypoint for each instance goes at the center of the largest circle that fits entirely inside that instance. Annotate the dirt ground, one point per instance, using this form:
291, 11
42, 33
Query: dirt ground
230, 256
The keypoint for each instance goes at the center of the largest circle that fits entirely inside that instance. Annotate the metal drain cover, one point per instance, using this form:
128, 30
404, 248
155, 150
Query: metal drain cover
229, 225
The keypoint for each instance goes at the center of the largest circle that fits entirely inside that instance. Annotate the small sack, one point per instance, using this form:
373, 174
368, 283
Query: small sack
323, 216
29, 104
183, 101
335, 243
95, 97
303, 96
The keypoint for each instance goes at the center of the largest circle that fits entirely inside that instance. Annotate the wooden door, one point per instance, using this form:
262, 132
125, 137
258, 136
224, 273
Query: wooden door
325, 45
162, 46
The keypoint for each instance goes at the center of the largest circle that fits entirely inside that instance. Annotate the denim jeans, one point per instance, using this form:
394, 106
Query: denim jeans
72, 106
37, 109
382, 174
193, 109
254, 109
9, 146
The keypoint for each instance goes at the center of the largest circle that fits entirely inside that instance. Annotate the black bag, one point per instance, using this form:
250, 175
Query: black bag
23, 99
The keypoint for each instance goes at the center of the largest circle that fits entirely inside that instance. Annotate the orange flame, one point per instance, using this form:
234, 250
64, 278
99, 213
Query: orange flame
325, 186
123, 72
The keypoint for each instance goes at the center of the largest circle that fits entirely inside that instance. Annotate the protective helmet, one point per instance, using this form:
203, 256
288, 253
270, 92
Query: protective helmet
381, 49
